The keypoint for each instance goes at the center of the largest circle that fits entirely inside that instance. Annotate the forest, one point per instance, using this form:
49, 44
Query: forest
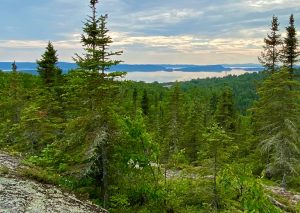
205, 145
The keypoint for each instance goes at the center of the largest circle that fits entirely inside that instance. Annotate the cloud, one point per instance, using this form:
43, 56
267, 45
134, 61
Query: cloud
33, 44
169, 17
266, 4
189, 31
188, 43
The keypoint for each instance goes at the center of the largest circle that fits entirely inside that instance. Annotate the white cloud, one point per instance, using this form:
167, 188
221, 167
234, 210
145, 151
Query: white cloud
267, 3
33, 44
168, 17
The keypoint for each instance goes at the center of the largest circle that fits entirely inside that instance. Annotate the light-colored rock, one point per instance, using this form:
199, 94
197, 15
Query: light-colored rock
8, 161
19, 195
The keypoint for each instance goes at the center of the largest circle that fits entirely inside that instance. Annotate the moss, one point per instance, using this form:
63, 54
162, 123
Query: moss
4, 170
40, 175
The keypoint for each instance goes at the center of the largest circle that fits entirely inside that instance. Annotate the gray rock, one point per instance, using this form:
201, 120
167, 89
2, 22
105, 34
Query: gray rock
19, 195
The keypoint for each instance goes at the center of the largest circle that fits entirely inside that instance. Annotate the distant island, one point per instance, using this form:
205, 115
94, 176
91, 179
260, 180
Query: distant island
30, 67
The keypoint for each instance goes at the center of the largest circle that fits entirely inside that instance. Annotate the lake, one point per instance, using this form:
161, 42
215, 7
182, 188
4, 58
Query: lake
164, 76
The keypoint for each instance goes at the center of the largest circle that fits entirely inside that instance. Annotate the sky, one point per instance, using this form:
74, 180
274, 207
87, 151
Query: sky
148, 31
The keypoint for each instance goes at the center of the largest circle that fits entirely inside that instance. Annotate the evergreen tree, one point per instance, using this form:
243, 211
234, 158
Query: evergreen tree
15, 92
225, 113
217, 139
47, 66
193, 131
96, 42
270, 56
174, 122
276, 116
290, 51
14, 67
134, 100
98, 91
145, 103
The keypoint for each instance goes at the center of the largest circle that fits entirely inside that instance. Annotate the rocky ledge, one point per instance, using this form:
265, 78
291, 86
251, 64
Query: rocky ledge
19, 195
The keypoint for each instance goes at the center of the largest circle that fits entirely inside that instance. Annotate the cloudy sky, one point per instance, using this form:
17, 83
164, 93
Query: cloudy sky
148, 31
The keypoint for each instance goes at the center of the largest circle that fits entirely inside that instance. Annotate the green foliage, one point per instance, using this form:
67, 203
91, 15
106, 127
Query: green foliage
96, 41
241, 191
184, 195
40, 175
50, 158
225, 113
47, 68
271, 54
279, 132
290, 53
4, 170
145, 103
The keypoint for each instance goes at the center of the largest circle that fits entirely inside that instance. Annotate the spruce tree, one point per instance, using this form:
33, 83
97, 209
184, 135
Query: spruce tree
14, 67
276, 117
270, 56
96, 42
98, 91
145, 103
47, 66
173, 122
290, 51
134, 100
225, 112
217, 140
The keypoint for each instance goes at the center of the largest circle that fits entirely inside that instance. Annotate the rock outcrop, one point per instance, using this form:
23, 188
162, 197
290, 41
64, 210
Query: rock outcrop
27, 196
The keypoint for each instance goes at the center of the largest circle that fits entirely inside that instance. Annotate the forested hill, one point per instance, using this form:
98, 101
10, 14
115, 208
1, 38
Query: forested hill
168, 125
243, 88
31, 67
212, 145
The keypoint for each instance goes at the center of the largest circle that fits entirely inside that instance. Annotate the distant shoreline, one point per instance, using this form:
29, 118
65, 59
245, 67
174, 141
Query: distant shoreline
30, 67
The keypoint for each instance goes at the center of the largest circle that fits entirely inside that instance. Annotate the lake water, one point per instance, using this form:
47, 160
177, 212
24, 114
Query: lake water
163, 76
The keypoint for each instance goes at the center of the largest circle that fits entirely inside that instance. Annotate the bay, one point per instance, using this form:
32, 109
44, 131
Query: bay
164, 76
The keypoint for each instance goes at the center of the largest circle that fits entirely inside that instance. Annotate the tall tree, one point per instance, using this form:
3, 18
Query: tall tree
276, 116
98, 91
290, 52
192, 136
173, 122
270, 56
145, 103
96, 42
134, 100
47, 66
225, 112
217, 139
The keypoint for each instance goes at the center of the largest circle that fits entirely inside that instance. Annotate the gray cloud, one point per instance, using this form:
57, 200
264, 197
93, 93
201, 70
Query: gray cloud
190, 31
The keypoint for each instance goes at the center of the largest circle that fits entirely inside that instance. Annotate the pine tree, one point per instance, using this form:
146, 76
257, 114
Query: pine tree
290, 51
47, 66
270, 56
96, 42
